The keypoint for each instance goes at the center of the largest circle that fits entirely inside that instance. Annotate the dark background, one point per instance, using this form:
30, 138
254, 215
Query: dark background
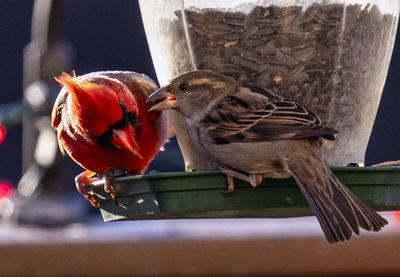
109, 35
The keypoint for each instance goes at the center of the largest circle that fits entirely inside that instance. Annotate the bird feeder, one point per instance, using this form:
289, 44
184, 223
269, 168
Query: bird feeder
330, 56
198, 195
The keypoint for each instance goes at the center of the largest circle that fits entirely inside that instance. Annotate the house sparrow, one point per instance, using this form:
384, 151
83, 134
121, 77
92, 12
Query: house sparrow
103, 124
254, 133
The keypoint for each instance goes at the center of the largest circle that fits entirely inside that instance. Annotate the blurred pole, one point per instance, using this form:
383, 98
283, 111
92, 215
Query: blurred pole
33, 59
45, 57
31, 72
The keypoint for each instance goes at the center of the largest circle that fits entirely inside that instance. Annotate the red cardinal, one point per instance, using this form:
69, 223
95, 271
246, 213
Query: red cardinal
103, 124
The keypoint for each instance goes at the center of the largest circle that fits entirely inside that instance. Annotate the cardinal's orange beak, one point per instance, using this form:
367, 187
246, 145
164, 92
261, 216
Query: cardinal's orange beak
125, 139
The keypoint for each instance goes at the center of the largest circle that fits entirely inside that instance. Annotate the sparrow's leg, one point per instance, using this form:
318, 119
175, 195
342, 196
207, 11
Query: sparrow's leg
389, 163
81, 182
231, 185
231, 173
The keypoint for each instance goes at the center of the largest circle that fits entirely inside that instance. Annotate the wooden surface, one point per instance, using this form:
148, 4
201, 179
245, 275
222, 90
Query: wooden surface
243, 247
306, 257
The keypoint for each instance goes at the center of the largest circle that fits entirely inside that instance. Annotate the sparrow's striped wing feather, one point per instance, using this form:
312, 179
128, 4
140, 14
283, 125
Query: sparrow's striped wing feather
253, 114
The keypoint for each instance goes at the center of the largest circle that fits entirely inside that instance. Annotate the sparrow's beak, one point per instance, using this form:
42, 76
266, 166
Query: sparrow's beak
163, 100
125, 139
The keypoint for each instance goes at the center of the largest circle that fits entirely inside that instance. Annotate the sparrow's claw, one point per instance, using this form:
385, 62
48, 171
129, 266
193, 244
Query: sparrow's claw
81, 182
231, 186
253, 179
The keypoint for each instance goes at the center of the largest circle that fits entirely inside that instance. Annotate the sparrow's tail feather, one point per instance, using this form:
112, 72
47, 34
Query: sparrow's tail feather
339, 211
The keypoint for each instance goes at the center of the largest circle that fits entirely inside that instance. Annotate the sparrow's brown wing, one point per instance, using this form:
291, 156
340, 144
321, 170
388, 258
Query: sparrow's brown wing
253, 114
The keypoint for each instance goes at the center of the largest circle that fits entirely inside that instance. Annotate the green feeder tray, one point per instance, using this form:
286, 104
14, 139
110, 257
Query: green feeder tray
198, 195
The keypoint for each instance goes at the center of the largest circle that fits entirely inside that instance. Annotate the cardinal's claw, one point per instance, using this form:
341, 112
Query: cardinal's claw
107, 184
93, 201
109, 188
81, 182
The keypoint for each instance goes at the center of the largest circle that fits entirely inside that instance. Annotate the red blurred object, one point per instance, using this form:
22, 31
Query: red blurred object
396, 215
2, 133
6, 190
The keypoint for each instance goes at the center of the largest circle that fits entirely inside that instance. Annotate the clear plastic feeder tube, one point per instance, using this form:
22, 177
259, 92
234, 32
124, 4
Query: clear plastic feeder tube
330, 56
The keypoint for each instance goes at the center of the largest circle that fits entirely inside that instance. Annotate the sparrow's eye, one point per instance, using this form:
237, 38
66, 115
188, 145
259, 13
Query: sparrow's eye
183, 86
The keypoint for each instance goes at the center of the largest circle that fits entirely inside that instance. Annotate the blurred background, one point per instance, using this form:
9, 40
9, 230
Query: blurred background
88, 36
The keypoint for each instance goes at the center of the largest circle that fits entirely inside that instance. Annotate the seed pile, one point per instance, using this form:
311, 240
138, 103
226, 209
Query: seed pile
329, 58
303, 55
